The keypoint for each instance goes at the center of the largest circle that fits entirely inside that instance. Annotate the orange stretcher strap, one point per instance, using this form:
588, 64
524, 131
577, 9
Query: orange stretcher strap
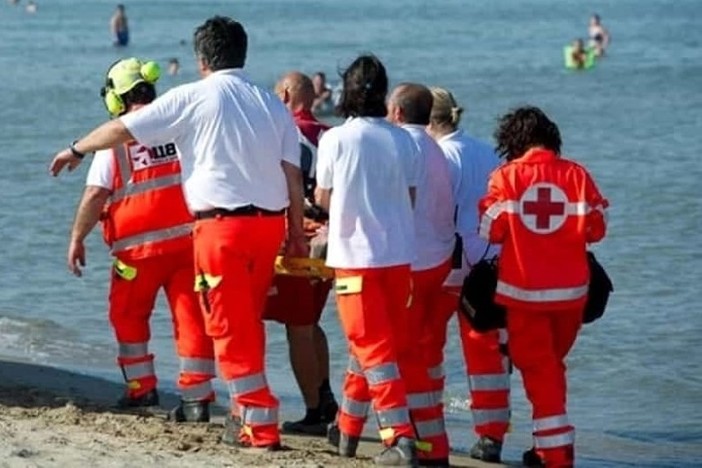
305, 267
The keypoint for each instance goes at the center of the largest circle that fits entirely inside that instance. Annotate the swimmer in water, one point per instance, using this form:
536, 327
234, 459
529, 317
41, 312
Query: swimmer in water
173, 66
578, 54
599, 36
323, 93
119, 27
31, 7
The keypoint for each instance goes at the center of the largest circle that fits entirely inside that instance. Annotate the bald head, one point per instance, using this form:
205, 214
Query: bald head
412, 103
296, 90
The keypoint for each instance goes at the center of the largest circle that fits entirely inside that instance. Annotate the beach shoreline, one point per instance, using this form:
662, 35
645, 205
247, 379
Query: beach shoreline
52, 417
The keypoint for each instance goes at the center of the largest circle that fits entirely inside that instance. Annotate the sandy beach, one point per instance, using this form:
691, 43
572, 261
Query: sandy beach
56, 418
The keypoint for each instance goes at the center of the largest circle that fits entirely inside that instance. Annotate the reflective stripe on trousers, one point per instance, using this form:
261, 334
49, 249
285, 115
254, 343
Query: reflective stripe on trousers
253, 416
357, 409
243, 385
133, 350
551, 422
488, 382
424, 400
393, 416
430, 428
197, 365
382, 373
138, 370
197, 392
554, 441
486, 416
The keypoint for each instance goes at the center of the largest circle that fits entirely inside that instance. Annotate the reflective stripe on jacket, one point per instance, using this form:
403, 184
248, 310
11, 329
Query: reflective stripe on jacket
543, 209
147, 214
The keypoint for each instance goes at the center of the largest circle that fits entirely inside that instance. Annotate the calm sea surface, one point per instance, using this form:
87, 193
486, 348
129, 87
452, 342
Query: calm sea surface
635, 376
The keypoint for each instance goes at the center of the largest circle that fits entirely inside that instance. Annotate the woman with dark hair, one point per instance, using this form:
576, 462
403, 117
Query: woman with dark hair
544, 210
366, 171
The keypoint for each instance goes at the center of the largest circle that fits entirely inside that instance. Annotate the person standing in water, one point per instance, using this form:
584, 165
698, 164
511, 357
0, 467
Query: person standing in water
599, 36
119, 27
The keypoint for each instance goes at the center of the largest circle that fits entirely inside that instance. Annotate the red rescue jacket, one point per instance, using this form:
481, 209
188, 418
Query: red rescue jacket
544, 210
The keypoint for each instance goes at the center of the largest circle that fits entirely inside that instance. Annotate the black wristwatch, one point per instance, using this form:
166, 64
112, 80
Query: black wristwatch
75, 152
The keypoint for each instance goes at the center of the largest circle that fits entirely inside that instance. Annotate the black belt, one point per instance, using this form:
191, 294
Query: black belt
248, 210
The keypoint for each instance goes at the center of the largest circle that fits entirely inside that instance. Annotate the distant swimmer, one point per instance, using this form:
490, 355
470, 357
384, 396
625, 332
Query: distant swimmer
31, 7
119, 27
599, 36
323, 94
173, 66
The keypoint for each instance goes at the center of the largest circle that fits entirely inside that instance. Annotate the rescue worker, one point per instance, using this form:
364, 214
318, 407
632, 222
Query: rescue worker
231, 135
298, 302
366, 174
410, 106
470, 163
135, 191
544, 210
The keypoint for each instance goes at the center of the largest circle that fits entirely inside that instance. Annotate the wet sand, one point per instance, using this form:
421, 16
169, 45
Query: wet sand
56, 418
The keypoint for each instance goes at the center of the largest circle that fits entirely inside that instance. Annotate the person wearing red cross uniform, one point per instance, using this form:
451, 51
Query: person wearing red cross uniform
543, 209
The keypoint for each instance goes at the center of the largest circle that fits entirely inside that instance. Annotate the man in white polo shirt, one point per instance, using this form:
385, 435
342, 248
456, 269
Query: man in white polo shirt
410, 107
240, 163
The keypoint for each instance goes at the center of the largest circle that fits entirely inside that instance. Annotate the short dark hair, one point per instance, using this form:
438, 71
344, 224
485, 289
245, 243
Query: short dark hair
416, 102
220, 42
142, 93
524, 128
365, 88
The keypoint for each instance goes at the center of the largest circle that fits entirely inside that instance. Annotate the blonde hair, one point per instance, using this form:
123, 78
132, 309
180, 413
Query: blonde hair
445, 111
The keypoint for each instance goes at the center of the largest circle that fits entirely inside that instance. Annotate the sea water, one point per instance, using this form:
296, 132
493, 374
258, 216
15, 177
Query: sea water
635, 392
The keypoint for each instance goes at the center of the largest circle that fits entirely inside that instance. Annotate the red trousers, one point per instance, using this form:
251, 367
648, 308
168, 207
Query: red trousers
538, 343
429, 324
373, 307
234, 259
487, 368
133, 290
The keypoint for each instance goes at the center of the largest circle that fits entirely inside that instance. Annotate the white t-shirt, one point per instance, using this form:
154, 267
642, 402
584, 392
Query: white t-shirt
369, 165
232, 137
434, 203
102, 170
470, 164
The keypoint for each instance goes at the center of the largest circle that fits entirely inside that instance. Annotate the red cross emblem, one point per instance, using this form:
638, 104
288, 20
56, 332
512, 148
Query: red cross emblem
543, 208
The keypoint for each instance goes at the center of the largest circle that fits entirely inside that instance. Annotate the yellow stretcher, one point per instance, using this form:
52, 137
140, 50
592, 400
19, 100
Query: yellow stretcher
305, 267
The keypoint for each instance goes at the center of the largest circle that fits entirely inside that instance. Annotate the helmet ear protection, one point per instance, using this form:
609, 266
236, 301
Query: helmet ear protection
121, 77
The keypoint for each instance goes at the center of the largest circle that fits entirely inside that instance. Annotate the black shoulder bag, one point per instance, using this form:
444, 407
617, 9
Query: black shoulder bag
598, 293
477, 300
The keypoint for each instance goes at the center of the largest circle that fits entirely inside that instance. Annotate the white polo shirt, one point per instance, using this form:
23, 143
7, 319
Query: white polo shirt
232, 137
470, 164
434, 203
369, 165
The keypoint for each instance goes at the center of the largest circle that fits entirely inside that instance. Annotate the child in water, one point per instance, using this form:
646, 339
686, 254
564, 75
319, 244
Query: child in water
578, 54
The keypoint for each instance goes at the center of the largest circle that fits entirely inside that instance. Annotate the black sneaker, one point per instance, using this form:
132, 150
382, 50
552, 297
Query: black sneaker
345, 444
328, 407
190, 411
305, 427
532, 459
147, 399
403, 453
487, 450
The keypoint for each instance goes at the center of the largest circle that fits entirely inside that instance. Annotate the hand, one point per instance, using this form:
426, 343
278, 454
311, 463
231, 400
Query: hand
62, 159
76, 257
296, 246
